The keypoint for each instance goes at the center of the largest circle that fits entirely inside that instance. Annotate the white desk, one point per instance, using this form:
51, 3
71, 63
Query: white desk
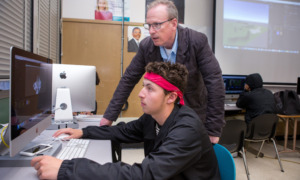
98, 150
294, 119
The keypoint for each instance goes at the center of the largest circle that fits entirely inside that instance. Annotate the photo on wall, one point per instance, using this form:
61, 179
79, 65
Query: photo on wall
112, 10
135, 35
102, 11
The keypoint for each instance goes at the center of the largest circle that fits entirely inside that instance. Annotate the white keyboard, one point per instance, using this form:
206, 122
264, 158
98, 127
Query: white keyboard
75, 148
88, 118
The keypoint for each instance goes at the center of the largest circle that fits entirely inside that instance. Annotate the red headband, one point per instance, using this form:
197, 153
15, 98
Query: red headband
157, 79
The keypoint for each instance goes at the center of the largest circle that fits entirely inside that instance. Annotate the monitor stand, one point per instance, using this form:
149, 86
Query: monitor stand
63, 124
24, 161
63, 117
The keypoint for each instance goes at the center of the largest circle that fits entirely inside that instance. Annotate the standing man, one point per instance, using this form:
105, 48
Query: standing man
133, 44
170, 42
176, 144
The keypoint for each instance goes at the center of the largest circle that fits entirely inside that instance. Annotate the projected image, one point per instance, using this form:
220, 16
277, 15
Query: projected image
261, 26
245, 24
245, 34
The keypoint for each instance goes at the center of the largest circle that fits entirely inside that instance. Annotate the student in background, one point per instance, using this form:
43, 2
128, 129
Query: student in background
176, 143
256, 100
168, 41
101, 11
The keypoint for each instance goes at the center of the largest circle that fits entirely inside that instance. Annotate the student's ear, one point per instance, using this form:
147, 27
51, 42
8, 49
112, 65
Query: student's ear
172, 97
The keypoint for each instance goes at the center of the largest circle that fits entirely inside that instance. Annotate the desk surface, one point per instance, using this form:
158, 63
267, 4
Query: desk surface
98, 150
231, 107
288, 116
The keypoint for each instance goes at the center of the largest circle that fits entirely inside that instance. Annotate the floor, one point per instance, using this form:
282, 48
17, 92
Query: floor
266, 168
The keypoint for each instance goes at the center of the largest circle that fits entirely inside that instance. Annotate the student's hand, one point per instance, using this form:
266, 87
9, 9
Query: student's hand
214, 139
74, 133
106, 122
47, 167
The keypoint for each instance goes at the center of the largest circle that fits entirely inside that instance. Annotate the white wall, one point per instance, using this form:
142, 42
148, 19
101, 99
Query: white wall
80, 9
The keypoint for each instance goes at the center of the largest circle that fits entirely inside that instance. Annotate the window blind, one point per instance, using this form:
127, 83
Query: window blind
15, 30
48, 32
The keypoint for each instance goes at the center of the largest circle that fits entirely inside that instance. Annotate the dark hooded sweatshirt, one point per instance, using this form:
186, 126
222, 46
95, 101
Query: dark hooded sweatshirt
258, 100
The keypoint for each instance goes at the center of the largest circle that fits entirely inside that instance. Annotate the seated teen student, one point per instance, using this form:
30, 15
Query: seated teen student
256, 100
176, 144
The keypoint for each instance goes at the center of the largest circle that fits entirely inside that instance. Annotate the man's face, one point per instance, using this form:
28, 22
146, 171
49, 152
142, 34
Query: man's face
164, 36
153, 98
246, 87
136, 34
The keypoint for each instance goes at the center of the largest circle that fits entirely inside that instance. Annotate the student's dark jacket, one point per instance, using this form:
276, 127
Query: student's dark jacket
256, 102
205, 90
182, 150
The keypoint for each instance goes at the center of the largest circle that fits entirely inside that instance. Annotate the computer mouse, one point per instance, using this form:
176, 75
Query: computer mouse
62, 137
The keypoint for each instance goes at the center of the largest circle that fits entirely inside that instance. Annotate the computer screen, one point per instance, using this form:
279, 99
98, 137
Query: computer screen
234, 84
298, 85
30, 97
80, 80
4, 101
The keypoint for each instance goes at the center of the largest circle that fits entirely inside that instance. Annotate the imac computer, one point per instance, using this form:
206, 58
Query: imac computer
29, 104
234, 85
73, 90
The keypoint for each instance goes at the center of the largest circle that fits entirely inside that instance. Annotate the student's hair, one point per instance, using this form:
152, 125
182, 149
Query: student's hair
135, 29
171, 8
175, 74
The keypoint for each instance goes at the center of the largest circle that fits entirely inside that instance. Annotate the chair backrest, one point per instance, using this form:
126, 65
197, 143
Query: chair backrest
225, 162
233, 135
262, 127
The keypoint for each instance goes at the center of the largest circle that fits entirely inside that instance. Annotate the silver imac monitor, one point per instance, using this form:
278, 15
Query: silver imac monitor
80, 81
30, 98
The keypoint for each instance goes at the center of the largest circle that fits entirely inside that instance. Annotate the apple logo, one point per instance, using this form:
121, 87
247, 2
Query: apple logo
63, 75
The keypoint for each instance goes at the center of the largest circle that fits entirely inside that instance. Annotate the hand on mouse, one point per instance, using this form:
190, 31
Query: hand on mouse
73, 133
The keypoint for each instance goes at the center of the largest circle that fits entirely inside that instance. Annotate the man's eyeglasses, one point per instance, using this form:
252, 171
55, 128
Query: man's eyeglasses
155, 26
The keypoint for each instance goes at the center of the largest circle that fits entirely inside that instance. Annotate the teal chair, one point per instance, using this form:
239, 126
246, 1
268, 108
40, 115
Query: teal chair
226, 162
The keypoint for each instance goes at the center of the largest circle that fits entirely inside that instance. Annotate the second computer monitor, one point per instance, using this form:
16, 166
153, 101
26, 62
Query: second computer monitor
298, 85
80, 80
234, 85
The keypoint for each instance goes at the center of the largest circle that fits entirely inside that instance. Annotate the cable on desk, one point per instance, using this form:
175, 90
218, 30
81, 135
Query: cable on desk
2, 138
